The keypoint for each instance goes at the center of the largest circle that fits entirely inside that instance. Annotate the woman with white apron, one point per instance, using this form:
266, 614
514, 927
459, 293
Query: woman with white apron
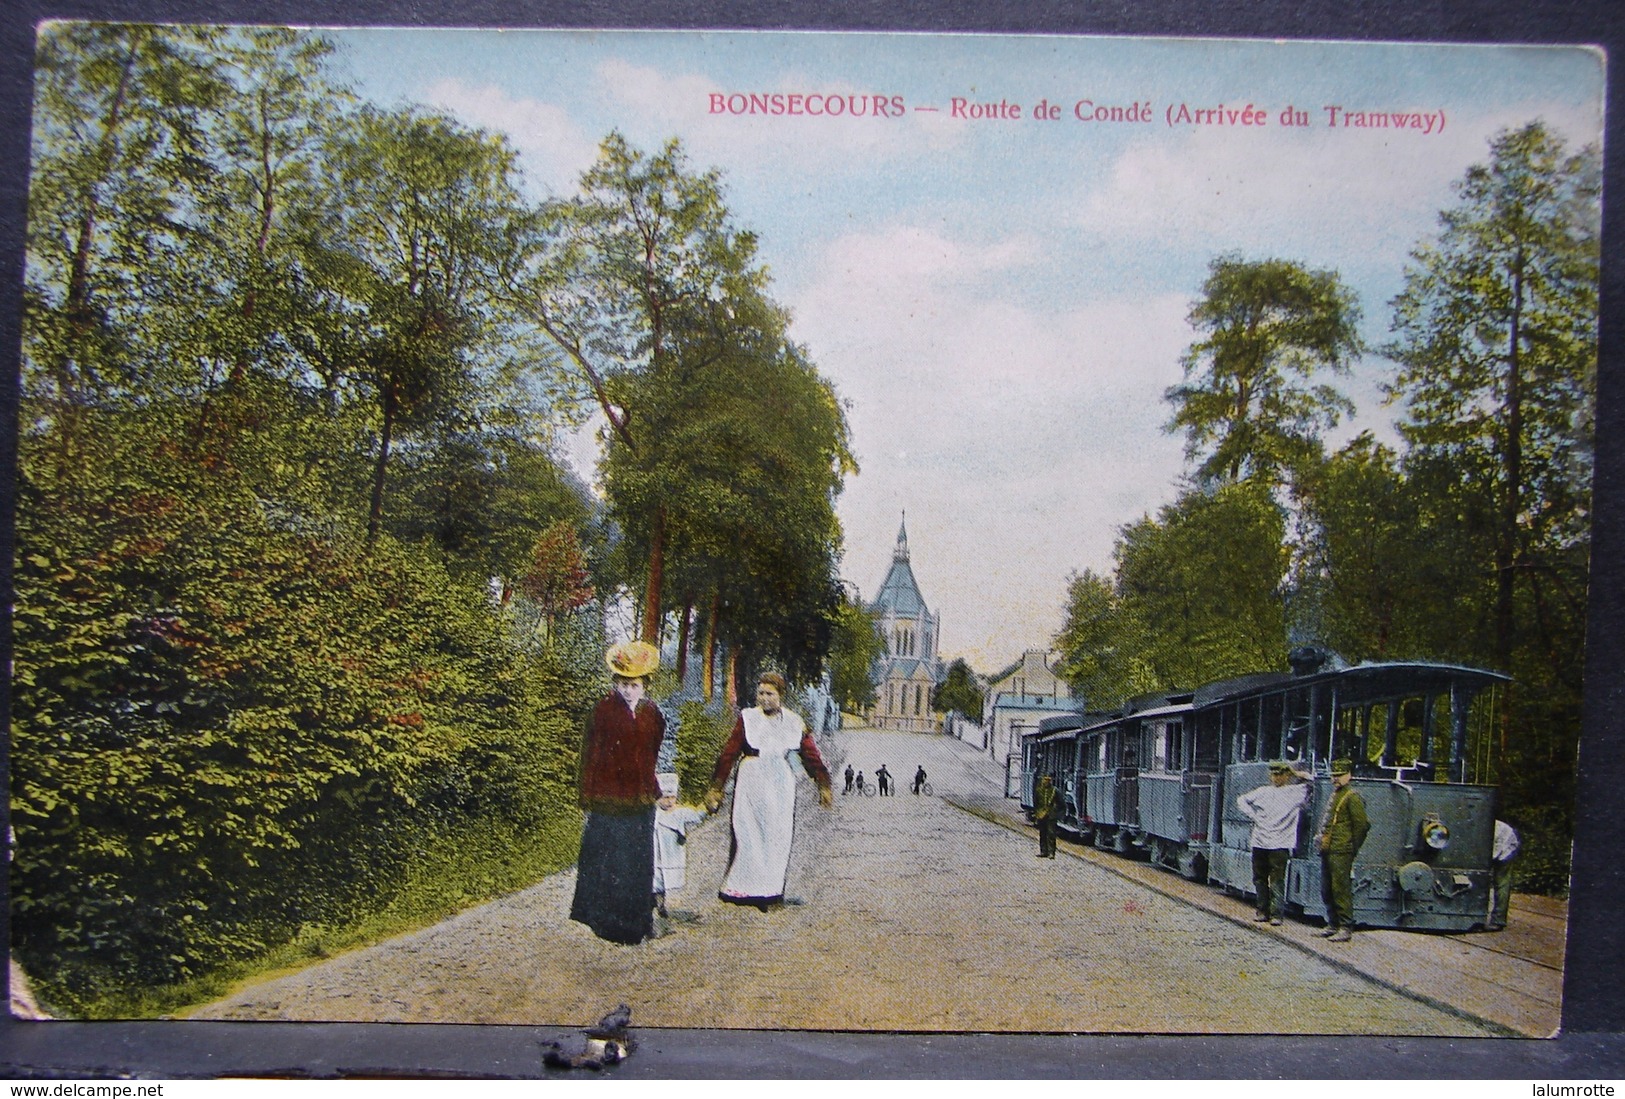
763, 742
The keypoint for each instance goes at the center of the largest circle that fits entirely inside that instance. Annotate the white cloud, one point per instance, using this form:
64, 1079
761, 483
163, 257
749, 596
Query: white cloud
554, 149
1317, 192
1018, 439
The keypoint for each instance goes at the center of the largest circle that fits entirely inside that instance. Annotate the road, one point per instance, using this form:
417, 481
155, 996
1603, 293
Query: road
918, 915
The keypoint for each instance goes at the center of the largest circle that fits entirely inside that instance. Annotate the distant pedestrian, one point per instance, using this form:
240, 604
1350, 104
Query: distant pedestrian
883, 777
1275, 810
860, 782
848, 789
919, 778
672, 822
1046, 804
1342, 830
1502, 854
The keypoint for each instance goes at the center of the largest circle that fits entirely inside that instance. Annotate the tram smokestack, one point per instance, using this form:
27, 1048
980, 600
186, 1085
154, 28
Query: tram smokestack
1307, 659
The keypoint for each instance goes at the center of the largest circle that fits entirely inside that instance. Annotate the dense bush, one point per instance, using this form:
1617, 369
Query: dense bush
225, 729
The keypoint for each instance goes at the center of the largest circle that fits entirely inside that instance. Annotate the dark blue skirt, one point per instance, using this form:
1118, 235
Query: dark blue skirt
615, 876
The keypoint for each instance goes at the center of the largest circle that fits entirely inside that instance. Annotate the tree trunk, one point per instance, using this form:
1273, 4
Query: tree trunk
76, 306
685, 623
711, 645
375, 515
657, 570
1506, 541
731, 684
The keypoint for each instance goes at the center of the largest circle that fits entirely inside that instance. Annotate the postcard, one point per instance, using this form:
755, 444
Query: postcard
807, 531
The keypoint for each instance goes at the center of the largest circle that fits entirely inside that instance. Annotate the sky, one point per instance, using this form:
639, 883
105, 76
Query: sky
995, 274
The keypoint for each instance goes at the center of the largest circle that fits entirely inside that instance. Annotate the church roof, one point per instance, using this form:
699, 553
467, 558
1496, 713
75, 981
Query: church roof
899, 593
911, 667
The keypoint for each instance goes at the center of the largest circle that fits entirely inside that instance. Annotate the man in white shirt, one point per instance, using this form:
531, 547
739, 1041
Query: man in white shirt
1502, 853
1275, 811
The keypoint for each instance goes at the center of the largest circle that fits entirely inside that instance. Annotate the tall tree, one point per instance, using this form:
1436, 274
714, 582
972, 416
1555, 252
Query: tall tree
855, 647
958, 692
611, 274
435, 206
1247, 405
1496, 340
1101, 647
118, 160
1206, 576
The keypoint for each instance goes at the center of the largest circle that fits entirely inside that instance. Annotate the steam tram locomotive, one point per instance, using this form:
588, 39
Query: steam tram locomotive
1160, 777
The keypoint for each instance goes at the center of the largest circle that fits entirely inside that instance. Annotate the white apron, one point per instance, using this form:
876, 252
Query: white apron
764, 809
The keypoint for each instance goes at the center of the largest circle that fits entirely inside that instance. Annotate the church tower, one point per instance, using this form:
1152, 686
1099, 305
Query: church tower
911, 669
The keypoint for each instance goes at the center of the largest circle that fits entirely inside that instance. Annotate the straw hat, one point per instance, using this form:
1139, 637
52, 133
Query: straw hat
632, 659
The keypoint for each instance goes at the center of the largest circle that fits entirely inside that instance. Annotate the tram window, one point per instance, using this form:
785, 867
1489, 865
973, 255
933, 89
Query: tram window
1347, 737
1206, 746
1297, 739
1442, 729
1247, 731
1271, 727
1409, 744
1375, 722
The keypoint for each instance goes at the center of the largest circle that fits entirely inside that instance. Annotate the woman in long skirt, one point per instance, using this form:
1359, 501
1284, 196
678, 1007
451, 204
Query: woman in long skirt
762, 743
615, 873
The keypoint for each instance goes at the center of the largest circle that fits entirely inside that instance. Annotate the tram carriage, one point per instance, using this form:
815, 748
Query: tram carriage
1054, 749
1419, 738
1161, 778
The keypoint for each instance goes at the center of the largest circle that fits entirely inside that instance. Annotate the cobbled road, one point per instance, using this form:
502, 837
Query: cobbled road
917, 916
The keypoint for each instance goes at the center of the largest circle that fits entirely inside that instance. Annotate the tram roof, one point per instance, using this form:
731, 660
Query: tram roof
1384, 677
1074, 720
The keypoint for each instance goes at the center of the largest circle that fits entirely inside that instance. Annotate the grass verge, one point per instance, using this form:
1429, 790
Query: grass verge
455, 872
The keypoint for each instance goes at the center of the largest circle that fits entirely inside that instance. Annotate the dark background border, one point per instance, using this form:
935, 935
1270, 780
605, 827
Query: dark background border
1592, 1045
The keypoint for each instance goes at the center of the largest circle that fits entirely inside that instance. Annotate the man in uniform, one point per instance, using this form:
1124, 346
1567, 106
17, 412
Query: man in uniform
1274, 810
1342, 830
1046, 804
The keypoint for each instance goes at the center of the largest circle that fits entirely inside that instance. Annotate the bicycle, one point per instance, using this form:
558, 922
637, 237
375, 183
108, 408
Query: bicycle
869, 789
924, 788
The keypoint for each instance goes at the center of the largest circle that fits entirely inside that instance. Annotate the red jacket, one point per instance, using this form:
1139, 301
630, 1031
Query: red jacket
618, 756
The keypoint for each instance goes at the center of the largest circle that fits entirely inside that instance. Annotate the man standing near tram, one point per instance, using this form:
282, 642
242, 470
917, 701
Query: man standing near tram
1342, 830
1275, 810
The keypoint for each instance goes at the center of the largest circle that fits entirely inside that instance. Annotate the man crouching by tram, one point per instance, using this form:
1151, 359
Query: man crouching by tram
1275, 810
1342, 830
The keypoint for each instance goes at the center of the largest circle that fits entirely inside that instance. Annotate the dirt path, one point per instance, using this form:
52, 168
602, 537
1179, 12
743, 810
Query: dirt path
918, 916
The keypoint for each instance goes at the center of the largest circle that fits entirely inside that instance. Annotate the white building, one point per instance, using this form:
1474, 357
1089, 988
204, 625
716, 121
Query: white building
1017, 699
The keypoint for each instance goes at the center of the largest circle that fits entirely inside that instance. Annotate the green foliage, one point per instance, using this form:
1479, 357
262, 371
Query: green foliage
704, 730
717, 422
1196, 597
1268, 326
1496, 337
238, 714
855, 647
224, 731
958, 692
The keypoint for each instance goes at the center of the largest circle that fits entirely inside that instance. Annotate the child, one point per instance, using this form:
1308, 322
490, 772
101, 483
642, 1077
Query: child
672, 822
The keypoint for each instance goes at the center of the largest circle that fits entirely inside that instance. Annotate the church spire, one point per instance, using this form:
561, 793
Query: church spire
900, 553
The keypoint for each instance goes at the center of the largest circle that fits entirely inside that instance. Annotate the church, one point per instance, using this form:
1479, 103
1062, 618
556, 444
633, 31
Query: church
910, 669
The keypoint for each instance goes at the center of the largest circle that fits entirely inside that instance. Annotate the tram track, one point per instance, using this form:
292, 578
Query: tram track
1513, 984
